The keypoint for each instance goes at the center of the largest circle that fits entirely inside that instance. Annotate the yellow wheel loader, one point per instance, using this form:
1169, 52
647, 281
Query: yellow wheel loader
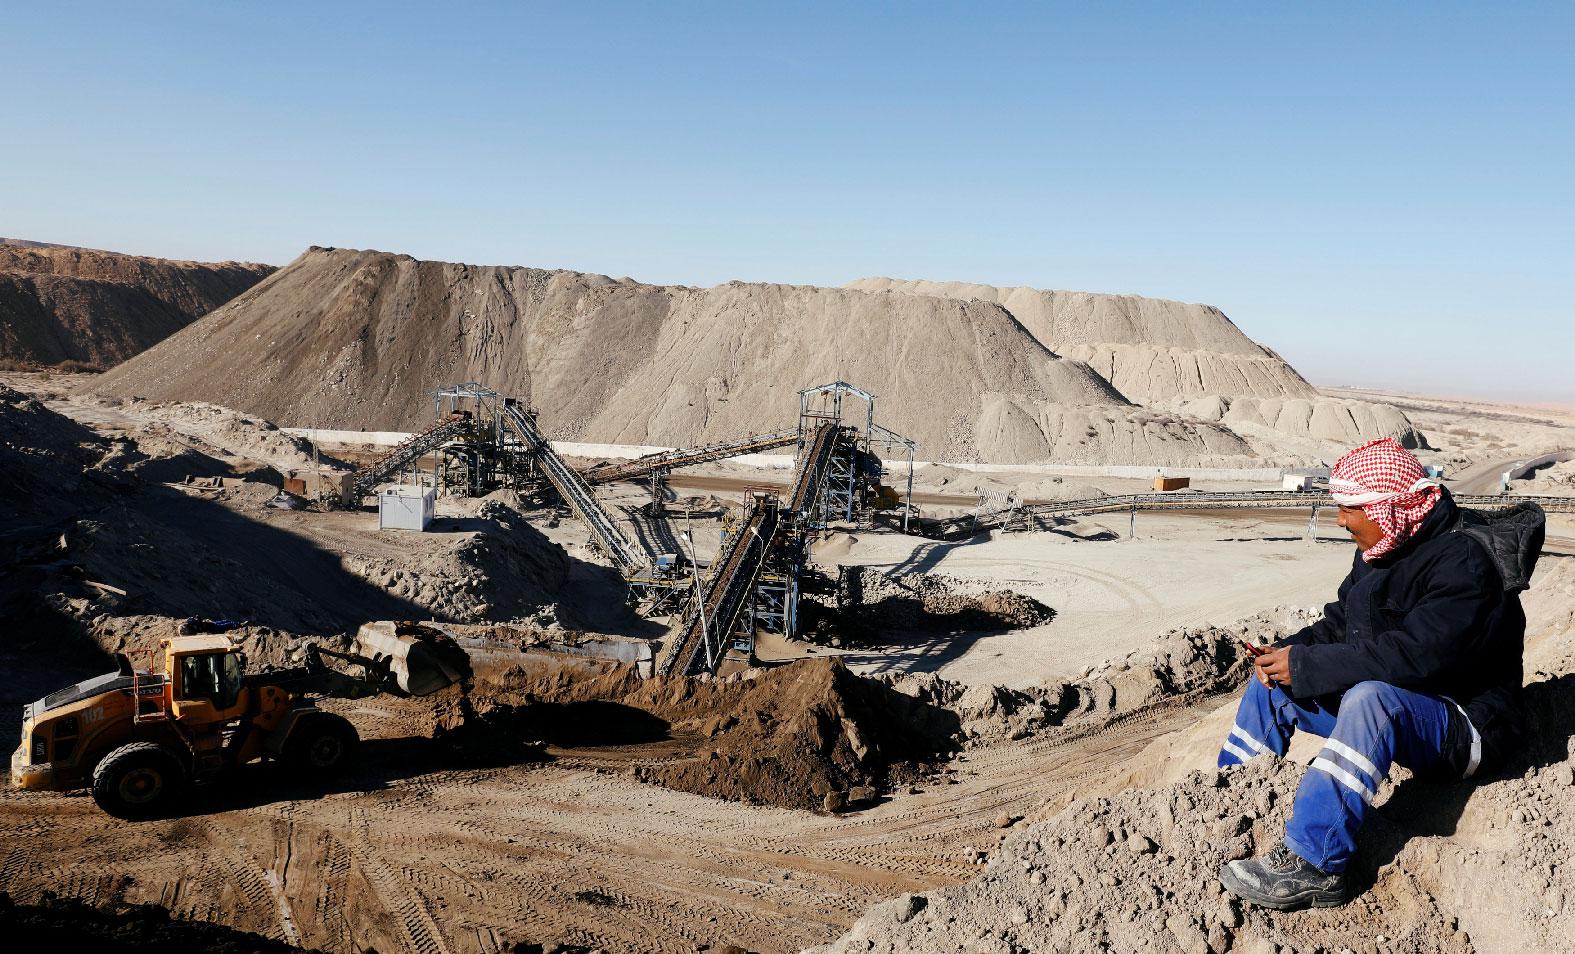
140, 737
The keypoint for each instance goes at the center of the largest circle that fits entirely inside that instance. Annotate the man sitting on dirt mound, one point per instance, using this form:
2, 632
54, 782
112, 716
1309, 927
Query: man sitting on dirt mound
1418, 662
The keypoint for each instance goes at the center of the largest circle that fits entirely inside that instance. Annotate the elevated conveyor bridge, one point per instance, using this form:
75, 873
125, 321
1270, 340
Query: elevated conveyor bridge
404, 455
1027, 516
687, 457
576, 493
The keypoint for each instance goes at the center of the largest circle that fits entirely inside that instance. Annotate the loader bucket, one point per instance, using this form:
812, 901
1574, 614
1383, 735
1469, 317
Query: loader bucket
421, 659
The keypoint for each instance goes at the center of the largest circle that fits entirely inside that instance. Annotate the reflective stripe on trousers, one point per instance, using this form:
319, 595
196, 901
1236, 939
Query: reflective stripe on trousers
1370, 727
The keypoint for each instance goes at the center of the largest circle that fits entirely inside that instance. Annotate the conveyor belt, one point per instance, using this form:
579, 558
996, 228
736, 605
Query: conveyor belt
723, 595
810, 478
407, 452
576, 493
1218, 500
686, 456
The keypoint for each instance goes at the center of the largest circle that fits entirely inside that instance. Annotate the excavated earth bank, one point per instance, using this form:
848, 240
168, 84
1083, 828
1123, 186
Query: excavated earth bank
1137, 872
100, 308
1444, 865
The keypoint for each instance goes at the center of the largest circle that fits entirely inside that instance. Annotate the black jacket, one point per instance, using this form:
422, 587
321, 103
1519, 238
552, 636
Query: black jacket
1441, 614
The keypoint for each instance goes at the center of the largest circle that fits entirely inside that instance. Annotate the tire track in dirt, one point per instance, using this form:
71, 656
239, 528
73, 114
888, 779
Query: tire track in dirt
420, 931
575, 851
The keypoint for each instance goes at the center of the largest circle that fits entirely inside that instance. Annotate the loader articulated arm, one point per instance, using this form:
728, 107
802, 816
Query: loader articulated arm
401, 659
376, 675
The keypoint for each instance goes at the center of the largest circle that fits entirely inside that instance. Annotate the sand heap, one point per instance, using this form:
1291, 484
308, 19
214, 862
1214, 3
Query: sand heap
1187, 358
809, 735
1148, 348
360, 337
100, 308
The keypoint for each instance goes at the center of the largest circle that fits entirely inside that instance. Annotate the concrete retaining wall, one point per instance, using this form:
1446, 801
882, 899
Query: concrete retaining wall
1521, 471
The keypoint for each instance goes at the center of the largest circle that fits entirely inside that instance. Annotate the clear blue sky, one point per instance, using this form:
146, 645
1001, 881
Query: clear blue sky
1383, 193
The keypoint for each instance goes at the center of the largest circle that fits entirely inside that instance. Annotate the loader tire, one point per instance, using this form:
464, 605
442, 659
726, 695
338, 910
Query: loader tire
321, 744
138, 780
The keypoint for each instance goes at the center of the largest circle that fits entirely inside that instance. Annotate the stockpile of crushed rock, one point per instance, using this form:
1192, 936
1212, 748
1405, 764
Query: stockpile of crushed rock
673, 366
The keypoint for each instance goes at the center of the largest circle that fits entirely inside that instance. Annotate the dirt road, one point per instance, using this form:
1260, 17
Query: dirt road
432, 859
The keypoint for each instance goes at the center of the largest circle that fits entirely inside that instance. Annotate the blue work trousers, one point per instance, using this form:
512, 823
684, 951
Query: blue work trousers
1366, 729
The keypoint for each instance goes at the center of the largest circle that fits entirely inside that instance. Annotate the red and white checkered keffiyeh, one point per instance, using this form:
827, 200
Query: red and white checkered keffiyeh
1389, 485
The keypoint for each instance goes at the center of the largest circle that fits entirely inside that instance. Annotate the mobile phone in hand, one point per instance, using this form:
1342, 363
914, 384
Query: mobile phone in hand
1255, 650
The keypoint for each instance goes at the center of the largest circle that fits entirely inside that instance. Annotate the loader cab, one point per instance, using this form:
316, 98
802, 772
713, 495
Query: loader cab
206, 678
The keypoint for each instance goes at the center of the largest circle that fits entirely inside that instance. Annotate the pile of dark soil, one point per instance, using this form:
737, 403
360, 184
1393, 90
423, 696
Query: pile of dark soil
789, 736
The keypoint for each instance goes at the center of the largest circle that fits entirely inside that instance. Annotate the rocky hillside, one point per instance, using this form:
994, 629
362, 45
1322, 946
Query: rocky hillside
60, 303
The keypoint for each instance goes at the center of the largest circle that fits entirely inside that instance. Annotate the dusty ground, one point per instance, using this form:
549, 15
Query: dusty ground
418, 851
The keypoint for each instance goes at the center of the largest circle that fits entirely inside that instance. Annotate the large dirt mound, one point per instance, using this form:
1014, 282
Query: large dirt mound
1146, 347
789, 736
359, 337
1314, 422
100, 308
1188, 358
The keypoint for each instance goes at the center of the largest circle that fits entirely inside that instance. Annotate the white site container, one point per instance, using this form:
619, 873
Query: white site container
1295, 482
405, 507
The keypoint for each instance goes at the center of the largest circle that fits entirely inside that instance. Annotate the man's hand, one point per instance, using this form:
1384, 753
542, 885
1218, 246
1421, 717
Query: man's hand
1274, 667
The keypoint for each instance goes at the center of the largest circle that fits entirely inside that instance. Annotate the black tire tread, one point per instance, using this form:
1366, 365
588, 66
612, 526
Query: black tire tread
313, 724
103, 783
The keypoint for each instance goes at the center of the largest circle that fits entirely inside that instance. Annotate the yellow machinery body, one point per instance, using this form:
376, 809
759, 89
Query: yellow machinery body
139, 735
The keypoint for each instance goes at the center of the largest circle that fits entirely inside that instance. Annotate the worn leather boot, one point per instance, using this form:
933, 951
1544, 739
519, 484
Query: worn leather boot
1283, 881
